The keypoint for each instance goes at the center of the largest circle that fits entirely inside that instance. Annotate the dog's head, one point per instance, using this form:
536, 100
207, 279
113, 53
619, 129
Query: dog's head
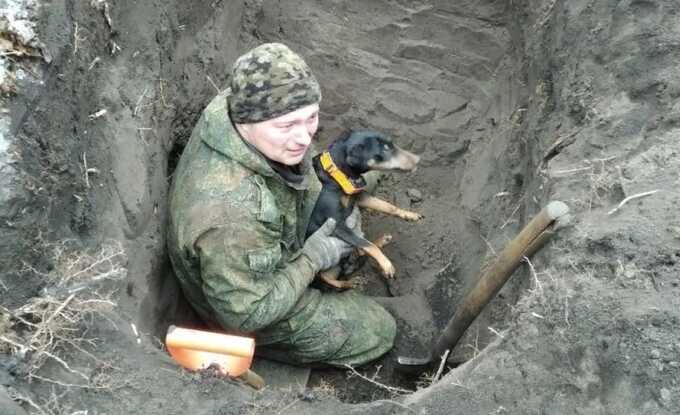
369, 150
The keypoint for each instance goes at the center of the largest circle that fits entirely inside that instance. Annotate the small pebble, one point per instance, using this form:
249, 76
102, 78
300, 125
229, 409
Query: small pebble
415, 195
307, 396
665, 395
655, 354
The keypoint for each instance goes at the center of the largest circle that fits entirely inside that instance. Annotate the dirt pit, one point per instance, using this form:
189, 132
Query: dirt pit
509, 104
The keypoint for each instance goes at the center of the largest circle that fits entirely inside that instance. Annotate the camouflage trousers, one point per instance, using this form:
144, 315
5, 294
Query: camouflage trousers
333, 329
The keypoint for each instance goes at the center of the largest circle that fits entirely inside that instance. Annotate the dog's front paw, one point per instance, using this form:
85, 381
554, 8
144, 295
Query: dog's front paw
388, 270
411, 216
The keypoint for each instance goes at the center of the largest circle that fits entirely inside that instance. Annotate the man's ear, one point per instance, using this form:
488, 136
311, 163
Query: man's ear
244, 130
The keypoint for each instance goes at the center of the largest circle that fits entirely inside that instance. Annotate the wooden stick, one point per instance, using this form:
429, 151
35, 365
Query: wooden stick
253, 379
491, 280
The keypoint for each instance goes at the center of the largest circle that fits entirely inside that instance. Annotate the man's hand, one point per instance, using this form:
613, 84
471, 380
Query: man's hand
325, 250
353, 221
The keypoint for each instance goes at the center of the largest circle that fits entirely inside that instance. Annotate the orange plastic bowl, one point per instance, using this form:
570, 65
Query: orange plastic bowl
197, 349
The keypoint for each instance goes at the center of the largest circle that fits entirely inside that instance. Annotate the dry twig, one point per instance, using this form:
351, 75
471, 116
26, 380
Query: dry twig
213, 84
560, 144
566, 310
104, 7
115, 48
538, 286
569, 171
93, 63
285, 408
77, 38
488, 245
107, 15
139, 102
629, 198
88, 170
392, 389
160, 85
98, 114
496, 332
512, 214
70, 385
445, 357
22, 398
546, 15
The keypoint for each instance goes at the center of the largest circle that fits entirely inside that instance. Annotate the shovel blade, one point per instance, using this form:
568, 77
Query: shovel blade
413, 365
413, 361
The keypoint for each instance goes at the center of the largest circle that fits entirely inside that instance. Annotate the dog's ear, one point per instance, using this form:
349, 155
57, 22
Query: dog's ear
344, 136
355, 154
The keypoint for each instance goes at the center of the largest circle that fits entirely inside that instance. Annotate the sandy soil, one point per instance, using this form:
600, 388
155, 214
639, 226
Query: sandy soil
510, 105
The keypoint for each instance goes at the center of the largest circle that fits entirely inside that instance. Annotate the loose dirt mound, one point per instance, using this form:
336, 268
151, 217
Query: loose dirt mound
510, 104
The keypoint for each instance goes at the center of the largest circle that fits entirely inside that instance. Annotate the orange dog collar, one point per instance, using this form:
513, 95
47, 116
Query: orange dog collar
340, 178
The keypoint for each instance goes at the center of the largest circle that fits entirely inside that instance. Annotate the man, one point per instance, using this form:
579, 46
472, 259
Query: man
241, 199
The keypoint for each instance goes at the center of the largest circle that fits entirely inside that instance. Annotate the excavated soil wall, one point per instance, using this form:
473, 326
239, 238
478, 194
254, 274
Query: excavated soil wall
510, 104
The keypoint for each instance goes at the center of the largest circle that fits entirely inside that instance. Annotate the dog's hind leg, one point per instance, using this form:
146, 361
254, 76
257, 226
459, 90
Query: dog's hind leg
379, 205
347, 235
330, 277
380, 243
357, 258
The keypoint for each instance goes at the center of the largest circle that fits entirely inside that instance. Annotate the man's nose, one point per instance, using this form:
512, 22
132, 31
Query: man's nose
303, 136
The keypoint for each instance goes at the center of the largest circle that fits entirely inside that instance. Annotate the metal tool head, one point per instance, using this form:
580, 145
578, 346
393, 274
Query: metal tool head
413, 361
413, 365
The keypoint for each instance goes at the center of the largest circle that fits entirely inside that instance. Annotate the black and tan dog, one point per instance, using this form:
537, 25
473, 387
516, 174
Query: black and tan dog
339, 169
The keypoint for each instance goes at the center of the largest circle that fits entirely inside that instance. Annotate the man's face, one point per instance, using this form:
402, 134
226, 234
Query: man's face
285, 138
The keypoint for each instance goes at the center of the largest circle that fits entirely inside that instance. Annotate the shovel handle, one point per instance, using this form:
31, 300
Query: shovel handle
252, 379
534, 235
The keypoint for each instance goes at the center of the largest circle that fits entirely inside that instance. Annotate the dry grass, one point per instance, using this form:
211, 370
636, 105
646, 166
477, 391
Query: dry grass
325, 388
601, 179
428, 379
54, 324
54, 404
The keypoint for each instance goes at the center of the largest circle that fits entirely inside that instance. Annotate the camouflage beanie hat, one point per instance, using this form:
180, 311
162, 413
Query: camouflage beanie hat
269, 81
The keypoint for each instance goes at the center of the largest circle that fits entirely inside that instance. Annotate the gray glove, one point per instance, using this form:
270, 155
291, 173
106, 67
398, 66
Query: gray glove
353, 221
325, 250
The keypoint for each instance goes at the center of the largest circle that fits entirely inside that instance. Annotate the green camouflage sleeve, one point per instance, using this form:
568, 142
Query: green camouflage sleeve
244, 279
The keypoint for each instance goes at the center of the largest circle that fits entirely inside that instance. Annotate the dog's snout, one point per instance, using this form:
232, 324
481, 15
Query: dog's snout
416, 160
407, 160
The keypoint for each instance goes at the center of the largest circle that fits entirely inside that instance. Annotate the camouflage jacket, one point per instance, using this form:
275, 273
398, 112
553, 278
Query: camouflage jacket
237, 229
